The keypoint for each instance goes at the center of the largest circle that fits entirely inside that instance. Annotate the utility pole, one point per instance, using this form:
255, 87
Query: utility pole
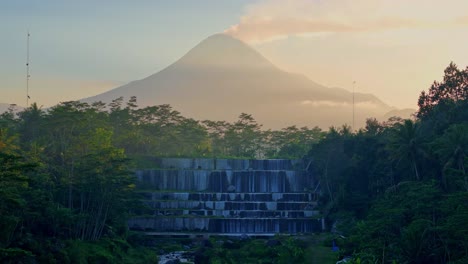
27, 70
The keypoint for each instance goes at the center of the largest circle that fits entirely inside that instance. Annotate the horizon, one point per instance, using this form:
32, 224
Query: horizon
386, 53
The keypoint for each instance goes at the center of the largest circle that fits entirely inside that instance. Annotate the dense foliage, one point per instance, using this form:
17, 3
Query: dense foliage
398, 190
278, 250
62, 180
65, 171
395, 191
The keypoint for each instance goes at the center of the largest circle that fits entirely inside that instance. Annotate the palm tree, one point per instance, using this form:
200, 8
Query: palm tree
405, 144
452, 149
31, 124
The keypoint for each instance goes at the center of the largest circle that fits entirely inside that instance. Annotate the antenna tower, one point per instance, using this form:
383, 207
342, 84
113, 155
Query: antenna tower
354, 83
27, 70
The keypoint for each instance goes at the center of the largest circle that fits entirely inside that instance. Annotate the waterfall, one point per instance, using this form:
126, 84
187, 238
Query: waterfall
227, 196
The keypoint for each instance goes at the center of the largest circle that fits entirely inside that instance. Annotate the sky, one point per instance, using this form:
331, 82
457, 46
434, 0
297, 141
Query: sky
391, 48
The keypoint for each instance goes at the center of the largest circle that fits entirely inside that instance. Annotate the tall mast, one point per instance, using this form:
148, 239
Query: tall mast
27, 70
354, 83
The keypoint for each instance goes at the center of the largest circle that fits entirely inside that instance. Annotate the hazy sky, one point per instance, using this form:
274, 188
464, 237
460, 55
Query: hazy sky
391, 48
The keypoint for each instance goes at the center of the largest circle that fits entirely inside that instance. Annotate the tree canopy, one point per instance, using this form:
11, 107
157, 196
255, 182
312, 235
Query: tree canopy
393, 192
397, 190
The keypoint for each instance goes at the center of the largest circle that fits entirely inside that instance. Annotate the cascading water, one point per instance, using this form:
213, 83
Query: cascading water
227, 196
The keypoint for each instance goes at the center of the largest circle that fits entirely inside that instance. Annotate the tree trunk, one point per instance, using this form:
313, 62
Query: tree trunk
326, 177
416, 172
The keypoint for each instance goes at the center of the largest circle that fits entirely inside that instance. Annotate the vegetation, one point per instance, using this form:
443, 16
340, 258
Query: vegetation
276, 250
65, 178
393, 192
398, 190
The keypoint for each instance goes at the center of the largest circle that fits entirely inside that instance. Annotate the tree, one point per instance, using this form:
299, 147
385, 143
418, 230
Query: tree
400, 226
244, 137
67, 124
192, 139
8, 119
291, 142
8, 135
30, 125
13, 184
453, 89
7, 141
216, 132
452, 228
451, 149
331, 162
103, 191
405, 145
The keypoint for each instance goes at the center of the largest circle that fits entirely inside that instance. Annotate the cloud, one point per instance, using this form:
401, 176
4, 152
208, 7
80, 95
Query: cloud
462, 21
328, 103
324, 103
275, 19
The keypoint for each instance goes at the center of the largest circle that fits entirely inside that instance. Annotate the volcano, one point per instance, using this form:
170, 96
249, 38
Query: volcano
222, 77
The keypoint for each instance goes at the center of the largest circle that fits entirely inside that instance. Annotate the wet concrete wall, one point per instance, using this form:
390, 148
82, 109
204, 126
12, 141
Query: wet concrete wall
227, 196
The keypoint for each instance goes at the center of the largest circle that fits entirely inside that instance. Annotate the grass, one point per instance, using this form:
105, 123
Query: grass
320, 255
317, 252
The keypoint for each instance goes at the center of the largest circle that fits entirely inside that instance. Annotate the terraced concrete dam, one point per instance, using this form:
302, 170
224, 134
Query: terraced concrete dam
227, 196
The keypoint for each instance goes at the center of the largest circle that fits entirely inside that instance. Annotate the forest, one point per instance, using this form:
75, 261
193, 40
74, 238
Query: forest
397, 191
393, 192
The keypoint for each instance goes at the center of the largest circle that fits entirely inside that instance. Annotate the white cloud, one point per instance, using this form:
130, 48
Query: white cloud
272, 19
322, 103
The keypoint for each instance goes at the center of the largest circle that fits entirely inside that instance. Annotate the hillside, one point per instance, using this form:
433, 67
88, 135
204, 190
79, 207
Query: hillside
222, 77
